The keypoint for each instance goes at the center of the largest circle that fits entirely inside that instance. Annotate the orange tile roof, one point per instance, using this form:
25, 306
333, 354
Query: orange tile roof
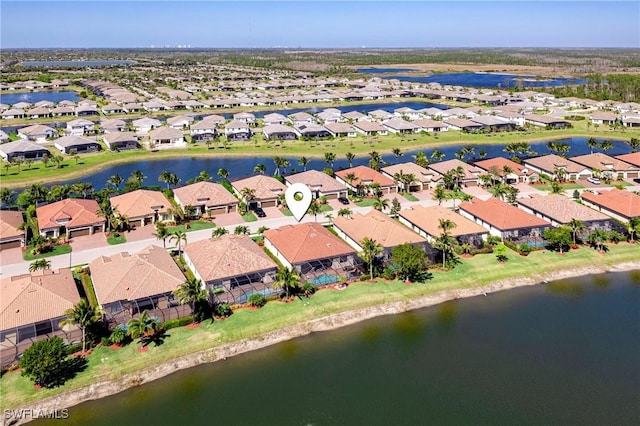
123, 276
366, 175
10, 220
227, 256
316, 180
560, 208
501, 215
306, 241
265, 187
204, 193
601, 161
71, 213
420, 173
470, 172
377, 226
549, 163
632, 158
30, 298
499, 163
428, 219
139, 203
624, 203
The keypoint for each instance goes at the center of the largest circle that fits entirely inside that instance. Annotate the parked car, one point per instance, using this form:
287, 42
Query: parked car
259, 212
594, 180
343, 200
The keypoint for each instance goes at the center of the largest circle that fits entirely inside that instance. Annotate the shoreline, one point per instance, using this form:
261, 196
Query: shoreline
326, 323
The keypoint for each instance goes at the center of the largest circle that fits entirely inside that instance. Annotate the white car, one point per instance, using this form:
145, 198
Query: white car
594, 180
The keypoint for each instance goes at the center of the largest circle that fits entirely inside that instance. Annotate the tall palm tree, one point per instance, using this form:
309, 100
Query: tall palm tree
397, 152
303, 161
165, 177
259, 169
329, 158
437, 155
143, 326
115, 180
39, 265
162, 233
370, 250
439, 194
499, 190
445, 241
138, 176
576, 226
241, 230
279, 162
314, 209
190, 292
380, 204
345, 212
350, 156
592, 143
633, 227
223, 173
350, 178
82, 315
606, 146
179, 237
247, 194
6, 195
203, 176
421, 159
286, 279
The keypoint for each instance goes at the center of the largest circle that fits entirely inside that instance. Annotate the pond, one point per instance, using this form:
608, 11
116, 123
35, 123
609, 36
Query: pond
76, 64
470, 79
33, 97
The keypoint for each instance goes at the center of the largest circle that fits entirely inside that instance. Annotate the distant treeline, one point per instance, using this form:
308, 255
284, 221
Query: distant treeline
614, 87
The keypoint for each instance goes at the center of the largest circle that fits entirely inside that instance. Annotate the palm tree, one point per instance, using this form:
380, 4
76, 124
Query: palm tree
633, 227
421, 159
437, 155
241, 230
499, 190
247, 194
445, 242
592, 143
482, 153
259, 169
218, 232
439, 194
180, 237
350, 157
38, 192
397, 152
370, 250
6, 195
286, 279
634, 143
279, 162
606, 146
82, 315
314, 209
576, 226
329, 158
303, 161
116, 181
345, 212
162, 233
190, 292
223, 173
39, 265
138, 176
203, 176
166, 177
350, 178
381, 204
143, 326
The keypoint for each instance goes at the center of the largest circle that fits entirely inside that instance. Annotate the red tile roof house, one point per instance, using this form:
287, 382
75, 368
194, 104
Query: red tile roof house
519, 172
31, 308
632, 158
207, 197
72, 216
549, 165
127, 284
321, 184
266, 189
365, 176
232, 266
504, 220
611, 166
318, 255
426, 222
471, 173
559, 210
621, 205
142, 206
10, 235
424, 177
377, 226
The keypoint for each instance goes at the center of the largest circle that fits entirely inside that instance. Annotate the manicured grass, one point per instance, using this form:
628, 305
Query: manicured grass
563, 186
249, 217
193, 226
87, 284
367, 202
286, 212
409, 196
119, 239
63, 249
108, 364
325, 208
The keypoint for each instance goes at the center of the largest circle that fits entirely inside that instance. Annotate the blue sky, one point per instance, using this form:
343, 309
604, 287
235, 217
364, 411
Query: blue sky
317, 24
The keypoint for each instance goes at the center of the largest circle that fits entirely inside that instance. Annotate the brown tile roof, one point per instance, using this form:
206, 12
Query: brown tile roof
41, 295
624, 203
548, 163
227, 256
204, 193
265, 187
165, 133
305, 242
316, 180
499, 163
470, 172
501, 215
123, 276
428, 219
560, 208
140, 202
420, 173
10, 220
369, 126
71, 213
632, 158
601, 161
366, 176
378, 226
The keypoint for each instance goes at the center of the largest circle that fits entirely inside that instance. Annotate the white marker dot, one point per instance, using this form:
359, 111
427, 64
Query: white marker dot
298, 197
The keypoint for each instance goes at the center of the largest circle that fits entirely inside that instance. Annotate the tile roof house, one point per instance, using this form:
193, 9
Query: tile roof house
311, 249
338, 129
142, 206
10, 235
22, 149
266, 190
37, 133
135, 282
428, 125
365, 176
503, 220
146, 124
76, 144
321, 184
515, 172
621, 205
237, 130
423, 177
120, 141
208, 197
73, 216
550, 164
370, 128
471, 173
231, 266
632, 158
204, 130
426, 222
163, 137
311, 130
279, 132
377, 226
560, 210
80, 126
400, 126
611, 166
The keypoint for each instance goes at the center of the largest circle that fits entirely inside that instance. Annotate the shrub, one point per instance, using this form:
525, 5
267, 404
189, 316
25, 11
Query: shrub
309, 289
389, 273
119, 335
257, 300
493, 240
524, 249
45, 362
178, 322
222, 310
365, 277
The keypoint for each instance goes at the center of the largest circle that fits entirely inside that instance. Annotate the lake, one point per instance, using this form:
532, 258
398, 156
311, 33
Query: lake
189, 167
469, 79
566, 353
76, 64
33, 97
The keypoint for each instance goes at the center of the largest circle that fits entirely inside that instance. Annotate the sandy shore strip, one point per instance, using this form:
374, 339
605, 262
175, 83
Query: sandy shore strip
331, 322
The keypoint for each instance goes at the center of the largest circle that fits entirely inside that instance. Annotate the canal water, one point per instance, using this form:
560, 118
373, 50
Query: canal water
33, 97
76, 64
565, 353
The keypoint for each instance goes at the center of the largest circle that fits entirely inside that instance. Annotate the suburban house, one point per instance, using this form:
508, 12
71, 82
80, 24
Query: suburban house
12, 113
232, 267
560, 210
470, 173
400, 126
208, 197
603, 117
142, 206
365, 176
86, 110
10, 234
370, 128
632, 158
145, 124
266, 190
71, 216
76, 144
355, 116
621, 205
462, 124
204, 130
120, 141
546, 121
128, 284
4, 137
495, 124
39, 112
423, 177
610, 167
319, 256
166, 137
554, 167
380, 115
37, 133
179, 122
311, 130
507, 170
504, 220
113, 125
279, 132
32, 307
274, 118
300, 118
237, 130
22, 149
379, 227
408, 114
426, 222
428, 125
245, 117
80, 127
320, 184
339, 130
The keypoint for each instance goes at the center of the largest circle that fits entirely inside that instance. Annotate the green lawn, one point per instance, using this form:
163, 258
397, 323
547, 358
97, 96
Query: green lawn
325, 208
249, 217
367, 202
63, 249
193, 226
107, 364
113, 239
563, 186
409, 196
286, 212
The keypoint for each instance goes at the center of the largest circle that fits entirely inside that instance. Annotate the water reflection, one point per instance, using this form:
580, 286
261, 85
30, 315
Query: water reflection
569, 288
446, 317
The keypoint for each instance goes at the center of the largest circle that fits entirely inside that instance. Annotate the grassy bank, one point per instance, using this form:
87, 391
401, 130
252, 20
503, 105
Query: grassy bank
106, 364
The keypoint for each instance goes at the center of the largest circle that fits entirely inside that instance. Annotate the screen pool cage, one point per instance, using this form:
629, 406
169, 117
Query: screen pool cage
238, 289
164, 307
329, 271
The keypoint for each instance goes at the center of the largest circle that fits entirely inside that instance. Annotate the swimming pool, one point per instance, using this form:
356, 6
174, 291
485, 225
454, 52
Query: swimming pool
324, 280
